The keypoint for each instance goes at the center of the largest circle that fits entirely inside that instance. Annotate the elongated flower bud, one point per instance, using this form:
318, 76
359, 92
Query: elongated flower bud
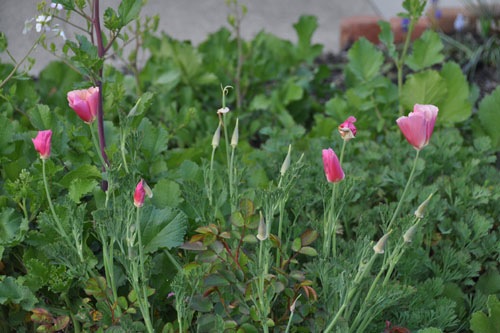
236, 135
42, 143
262, 230
216, 137
286, 162
419, 213
380, 246
408, 236
141, 190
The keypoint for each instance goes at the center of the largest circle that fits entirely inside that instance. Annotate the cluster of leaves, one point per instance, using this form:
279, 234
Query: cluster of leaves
444, 277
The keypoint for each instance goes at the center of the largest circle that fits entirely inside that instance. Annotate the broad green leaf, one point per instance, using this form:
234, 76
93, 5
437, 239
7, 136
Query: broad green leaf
166, 193
154, 138
111, 19
423, 88
365, 60
291, 92
79, 187
482, 323
12, 227
489, 116
427, 51
305, 28
162, 228
296, 244
11, 292
129, 10
456, 107
309, 251
83, 172
41, 117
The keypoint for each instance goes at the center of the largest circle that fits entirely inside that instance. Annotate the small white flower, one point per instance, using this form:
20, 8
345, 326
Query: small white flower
57, 6
223, 110
42, 22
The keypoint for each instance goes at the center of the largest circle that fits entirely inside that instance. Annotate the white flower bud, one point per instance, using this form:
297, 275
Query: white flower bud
216, 137
262, 230
235, 137
286, 162
223, 110
419, 213
408, 236
380, 246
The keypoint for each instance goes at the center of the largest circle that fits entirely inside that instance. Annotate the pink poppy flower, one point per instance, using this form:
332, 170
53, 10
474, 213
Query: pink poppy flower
141, 190
85, 103
42, 143
347, 129
333, 170
418, 126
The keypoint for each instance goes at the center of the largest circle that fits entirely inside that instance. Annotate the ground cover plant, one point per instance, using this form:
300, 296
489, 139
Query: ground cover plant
236, 186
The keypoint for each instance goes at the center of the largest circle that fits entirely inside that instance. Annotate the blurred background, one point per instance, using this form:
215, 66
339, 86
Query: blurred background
193, 19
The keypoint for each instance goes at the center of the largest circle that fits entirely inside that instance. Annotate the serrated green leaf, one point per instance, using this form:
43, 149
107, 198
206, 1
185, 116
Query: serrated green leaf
79, 187
423, 88
166, 193
141, 105
155, 138
365, 60
489, 116
456, 106
427, 51
162, 228
305, 28
129, 10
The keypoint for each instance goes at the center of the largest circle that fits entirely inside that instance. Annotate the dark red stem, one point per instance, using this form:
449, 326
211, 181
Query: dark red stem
100, 53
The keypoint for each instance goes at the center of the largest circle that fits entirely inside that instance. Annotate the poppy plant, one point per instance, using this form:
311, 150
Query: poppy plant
42, 143
333, 170
85, 103
418, 126
141, 190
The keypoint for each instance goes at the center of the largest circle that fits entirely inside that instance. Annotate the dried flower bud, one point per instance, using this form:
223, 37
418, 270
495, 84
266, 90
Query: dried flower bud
223, 110
216, 137
380, 246
262, 230
408, 236
419, 213
235, 137
286, 162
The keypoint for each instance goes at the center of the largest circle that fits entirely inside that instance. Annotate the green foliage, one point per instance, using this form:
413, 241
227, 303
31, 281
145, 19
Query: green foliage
427, 51
489, 116
480, 322
98, 262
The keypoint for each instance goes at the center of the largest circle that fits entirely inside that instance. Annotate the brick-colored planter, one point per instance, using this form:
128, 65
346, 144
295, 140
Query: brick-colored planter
355, 27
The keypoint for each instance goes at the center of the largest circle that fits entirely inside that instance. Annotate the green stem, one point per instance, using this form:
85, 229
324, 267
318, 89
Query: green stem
410, 178
174, 261
142, 289
330, 239
232, 185
362, 271
122, 149
211, 177
96, 145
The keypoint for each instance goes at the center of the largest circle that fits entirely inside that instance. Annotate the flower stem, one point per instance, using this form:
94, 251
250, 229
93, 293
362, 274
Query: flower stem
142, 296
96, 145
410, 178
